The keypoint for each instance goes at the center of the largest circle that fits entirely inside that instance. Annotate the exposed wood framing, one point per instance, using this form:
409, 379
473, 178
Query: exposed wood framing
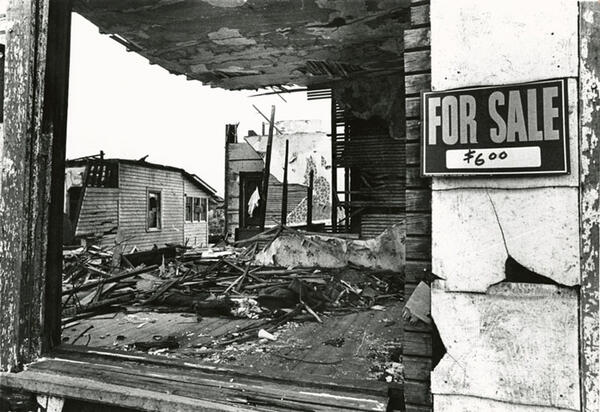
267, 172
589, 86
418, 340
24, 186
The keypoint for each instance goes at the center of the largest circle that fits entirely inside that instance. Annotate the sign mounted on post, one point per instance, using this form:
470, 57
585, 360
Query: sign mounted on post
516, 129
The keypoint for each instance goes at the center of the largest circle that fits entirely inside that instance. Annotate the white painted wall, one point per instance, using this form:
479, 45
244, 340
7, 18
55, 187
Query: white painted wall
484, 42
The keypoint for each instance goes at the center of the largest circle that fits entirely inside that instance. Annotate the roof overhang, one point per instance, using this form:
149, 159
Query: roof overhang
238, 44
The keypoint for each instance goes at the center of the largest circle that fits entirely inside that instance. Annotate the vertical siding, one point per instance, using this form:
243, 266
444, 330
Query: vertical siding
134, 181
99, 215
195, 233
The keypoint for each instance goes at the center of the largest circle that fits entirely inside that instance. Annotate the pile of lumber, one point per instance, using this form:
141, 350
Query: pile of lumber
222, 282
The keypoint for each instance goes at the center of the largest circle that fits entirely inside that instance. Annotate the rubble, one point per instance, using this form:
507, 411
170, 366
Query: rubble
233, 282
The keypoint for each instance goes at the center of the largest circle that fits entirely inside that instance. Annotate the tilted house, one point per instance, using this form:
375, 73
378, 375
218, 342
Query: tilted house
145, 204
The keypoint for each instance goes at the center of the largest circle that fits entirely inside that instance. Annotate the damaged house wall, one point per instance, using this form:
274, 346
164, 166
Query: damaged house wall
522, 337
309, 149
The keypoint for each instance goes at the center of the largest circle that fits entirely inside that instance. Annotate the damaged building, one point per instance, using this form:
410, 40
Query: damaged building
447, 274
309, 158
148, 204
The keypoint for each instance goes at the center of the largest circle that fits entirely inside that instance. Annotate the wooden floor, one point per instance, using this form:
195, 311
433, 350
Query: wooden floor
359, 345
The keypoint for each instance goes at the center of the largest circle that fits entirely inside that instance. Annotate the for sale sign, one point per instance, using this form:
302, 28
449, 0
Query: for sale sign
497, 130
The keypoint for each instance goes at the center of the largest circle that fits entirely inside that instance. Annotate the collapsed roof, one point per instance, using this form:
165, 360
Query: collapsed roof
248, 44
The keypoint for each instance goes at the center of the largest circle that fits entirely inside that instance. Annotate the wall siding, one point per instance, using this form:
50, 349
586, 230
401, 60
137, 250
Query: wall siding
195, 233
134, 181
99, 215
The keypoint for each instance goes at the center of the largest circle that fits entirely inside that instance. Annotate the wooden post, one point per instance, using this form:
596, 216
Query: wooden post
25, 155
589, 173
267, 171
55, 124
284, 194
334, 199
309, 199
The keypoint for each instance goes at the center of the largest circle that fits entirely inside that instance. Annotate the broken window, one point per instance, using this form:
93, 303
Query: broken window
197, 208
188, 209
154, 209
203, 209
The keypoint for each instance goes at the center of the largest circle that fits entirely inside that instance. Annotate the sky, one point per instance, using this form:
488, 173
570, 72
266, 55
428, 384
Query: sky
121, 104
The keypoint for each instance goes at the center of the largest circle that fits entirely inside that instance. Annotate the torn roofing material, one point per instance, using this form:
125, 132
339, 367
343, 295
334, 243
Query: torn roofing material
258, 43
201, 184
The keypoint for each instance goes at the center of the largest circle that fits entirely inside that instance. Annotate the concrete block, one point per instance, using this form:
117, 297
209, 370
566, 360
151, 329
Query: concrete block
475, 230
569, 180
518, 343
476, 42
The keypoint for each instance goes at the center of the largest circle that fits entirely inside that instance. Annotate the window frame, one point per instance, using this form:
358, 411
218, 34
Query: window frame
160, 210
185, 209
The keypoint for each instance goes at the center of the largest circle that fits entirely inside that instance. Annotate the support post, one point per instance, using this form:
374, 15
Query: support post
25, 155
284, 194
267, 171
334, 198
309, 199
55, 125
589, 173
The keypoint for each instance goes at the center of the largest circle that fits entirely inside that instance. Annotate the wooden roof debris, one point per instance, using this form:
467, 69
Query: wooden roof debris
258, 43
226, 282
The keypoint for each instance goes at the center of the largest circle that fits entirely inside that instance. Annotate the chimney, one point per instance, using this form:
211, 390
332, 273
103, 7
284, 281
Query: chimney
231, 133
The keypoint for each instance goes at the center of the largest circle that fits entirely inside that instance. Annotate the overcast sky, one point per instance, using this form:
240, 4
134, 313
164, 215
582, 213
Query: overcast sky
121, 104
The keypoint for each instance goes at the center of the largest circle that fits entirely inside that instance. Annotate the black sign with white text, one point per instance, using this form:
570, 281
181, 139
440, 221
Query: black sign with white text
516, 129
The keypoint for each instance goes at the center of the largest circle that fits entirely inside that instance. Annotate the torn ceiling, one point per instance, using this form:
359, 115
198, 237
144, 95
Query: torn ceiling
237, 44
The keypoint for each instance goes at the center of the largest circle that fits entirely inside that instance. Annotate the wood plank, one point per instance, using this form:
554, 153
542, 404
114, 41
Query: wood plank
418, 247
417, 392
413, 107
420, 15
418, 224
413, 130
416, 83
417, 344
417, 368
414, 180
417, 61
418, 200
106, 393
417, 271
55, 121
24, 181
209, 387
417, 38
84, 354
589, 153
413, 154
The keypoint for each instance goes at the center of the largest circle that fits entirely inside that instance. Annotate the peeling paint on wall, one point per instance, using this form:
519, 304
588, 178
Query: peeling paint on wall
510, 346
475, 230
517, 343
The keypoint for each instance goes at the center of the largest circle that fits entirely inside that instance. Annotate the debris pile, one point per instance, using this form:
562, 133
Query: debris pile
226, 282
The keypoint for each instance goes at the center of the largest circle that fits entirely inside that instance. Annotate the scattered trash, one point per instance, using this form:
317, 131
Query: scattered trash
263, 334
418, 306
